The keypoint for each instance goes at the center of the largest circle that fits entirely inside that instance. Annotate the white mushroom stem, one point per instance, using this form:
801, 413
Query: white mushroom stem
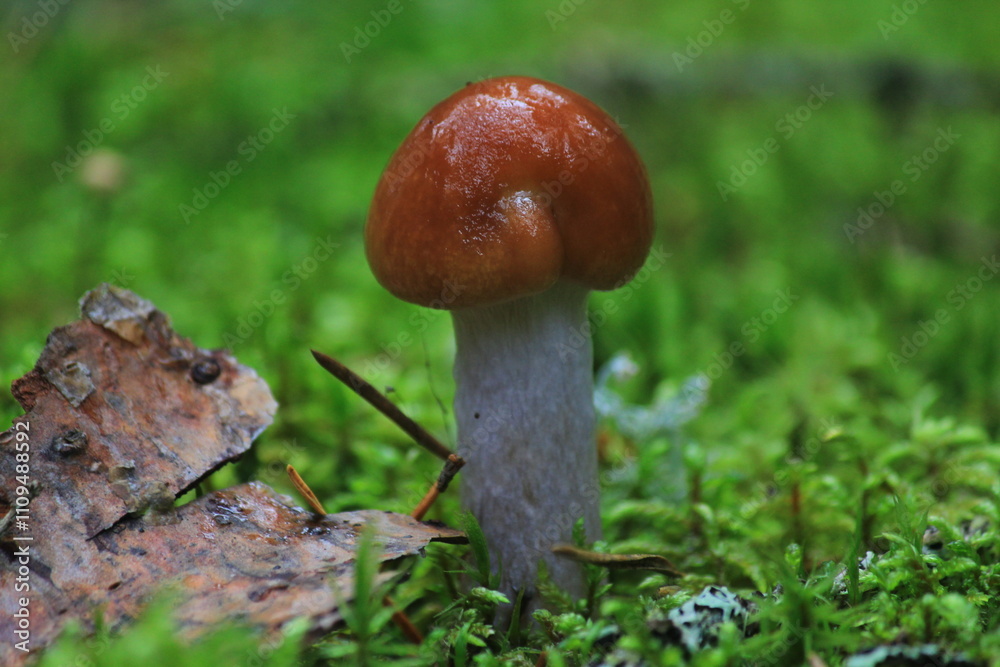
525, 413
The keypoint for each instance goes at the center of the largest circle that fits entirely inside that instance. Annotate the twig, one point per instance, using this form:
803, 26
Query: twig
400, 618
303, 488
816, 661
453, 462
451, 468
403, 622
425, 503
378, 400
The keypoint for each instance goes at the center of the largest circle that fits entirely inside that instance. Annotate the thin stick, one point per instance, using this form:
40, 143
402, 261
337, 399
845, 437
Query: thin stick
453, 462
398, 617
425, 503
303, 488
404, 623
363, 389
451, 468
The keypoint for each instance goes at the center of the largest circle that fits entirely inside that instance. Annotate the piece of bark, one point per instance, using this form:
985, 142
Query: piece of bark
123, 416
118, 416
244, 553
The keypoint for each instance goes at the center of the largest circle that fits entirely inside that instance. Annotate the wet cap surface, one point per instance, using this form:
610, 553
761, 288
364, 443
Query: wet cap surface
502, 189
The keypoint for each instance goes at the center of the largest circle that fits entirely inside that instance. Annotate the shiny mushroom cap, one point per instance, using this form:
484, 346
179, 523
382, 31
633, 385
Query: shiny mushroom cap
504, 188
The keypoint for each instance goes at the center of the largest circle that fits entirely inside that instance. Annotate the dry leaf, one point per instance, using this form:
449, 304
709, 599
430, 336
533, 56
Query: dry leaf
617, 561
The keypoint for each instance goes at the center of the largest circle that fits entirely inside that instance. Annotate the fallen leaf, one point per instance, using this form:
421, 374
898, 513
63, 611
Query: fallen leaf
617, 561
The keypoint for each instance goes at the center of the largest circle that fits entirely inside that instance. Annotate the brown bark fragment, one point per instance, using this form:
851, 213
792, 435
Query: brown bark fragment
124, 415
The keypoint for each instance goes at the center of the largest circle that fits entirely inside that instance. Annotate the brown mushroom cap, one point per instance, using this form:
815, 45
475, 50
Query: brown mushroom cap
502, 189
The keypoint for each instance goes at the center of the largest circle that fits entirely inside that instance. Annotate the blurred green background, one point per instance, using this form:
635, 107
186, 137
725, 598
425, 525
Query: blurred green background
119, 119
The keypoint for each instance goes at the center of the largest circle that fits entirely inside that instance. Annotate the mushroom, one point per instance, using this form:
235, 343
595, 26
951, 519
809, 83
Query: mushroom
506, 204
